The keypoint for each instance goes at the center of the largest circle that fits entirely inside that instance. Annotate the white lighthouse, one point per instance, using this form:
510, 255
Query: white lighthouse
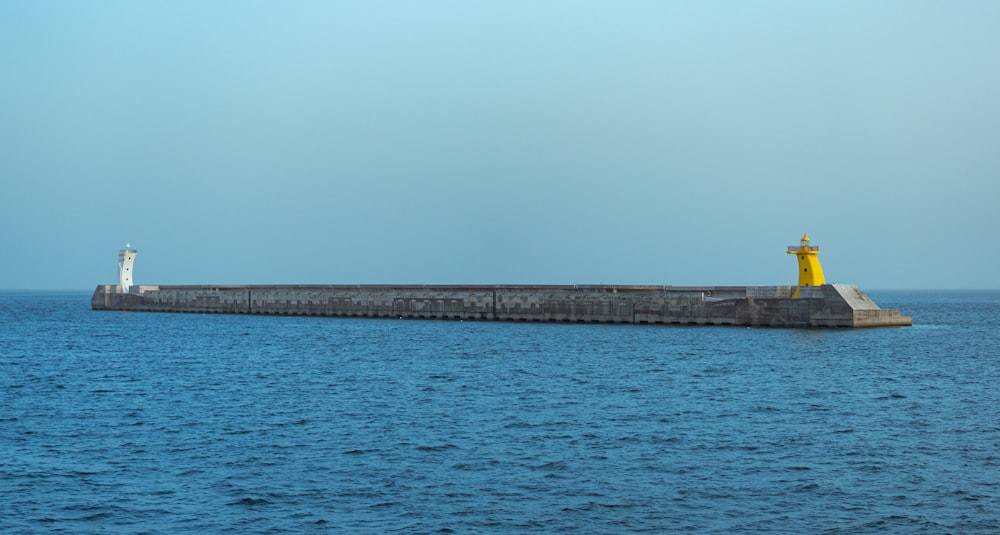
126, 257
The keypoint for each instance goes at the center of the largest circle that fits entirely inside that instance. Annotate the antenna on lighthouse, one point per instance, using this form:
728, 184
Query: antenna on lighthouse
126, 257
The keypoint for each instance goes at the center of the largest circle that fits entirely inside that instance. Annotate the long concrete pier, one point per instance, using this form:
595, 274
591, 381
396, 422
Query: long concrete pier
827, 305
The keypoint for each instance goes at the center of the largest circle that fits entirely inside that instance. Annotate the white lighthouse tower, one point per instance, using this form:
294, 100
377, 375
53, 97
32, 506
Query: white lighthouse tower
126, 257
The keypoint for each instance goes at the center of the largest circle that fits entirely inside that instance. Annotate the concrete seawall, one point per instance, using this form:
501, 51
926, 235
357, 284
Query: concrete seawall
831, 305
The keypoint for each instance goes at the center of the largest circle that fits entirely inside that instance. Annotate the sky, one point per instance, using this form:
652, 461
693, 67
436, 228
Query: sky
499, 142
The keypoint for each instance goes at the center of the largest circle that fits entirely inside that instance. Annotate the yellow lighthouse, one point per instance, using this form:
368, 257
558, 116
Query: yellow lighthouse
810, 272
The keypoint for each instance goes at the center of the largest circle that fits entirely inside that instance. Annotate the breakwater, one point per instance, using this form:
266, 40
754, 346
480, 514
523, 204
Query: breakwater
827, 305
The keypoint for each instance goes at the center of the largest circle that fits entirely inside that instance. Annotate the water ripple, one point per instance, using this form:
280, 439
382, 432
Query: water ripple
197, 423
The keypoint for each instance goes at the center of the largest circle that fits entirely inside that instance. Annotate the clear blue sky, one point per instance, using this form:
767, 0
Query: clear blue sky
645, 142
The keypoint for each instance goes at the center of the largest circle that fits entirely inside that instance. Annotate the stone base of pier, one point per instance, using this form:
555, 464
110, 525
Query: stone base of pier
832, 305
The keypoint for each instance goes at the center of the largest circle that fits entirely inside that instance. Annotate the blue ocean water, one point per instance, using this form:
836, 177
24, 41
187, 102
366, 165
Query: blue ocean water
180, 423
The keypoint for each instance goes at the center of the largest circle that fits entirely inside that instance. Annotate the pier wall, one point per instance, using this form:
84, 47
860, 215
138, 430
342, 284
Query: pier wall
820, 306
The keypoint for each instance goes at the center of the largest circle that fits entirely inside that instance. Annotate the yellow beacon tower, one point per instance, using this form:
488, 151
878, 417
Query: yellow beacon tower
810, 272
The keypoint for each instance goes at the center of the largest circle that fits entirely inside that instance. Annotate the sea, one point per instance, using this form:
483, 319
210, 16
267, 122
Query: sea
138, 422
